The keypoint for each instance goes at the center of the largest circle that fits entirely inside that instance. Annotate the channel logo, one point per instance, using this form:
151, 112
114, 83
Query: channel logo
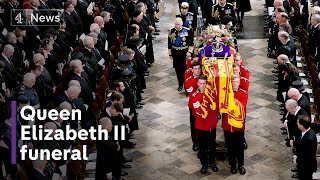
40, 17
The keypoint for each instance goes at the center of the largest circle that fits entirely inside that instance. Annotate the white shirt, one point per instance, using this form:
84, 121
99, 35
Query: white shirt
295, 113
303, 133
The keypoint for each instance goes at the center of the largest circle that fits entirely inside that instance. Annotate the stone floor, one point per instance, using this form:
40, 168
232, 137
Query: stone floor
163, 148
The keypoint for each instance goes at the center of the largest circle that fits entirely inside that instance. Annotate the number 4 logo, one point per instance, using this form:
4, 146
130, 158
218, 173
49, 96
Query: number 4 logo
18, 18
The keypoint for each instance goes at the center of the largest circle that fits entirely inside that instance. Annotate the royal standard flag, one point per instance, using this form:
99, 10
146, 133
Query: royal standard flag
219, 94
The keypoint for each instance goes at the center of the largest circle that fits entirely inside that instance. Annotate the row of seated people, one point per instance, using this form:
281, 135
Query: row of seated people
292, 77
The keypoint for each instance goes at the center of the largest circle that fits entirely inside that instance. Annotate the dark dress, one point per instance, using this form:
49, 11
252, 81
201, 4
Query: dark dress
243, 5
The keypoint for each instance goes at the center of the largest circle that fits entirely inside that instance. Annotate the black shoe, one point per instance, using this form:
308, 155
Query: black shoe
295, 176
125, 166
245, 145
294, 169
138, 106
124, 173
129, 146
214, 167
275, 71
195, 147
282, 119
288, 144
233, 170
157, 30
204, 170
146, 74
283, 128
284, 132
276, 83
131, 136
126, 160
142, 103
281, 105
281, 113
180, 88
242, 170
275, 62
156, 33
276, 68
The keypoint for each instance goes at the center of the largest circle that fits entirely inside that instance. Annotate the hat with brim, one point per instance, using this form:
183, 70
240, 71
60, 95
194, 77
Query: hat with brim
298, 85
184, 5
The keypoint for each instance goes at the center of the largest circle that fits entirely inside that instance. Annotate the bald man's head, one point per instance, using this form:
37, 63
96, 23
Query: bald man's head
294, 93
106, 123
51, 126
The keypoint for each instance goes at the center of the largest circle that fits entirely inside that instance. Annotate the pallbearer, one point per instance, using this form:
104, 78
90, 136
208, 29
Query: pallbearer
206, 129
234, 137
191, 85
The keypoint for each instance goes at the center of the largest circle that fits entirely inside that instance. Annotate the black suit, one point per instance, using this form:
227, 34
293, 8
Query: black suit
305, 104
73, 25
107, 159
292, 124
292, 53
36, 175
306, 155
86, 91
313, 39
10, 74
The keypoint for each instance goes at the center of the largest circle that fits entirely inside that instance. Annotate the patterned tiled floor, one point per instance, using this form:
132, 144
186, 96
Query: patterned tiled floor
163, 148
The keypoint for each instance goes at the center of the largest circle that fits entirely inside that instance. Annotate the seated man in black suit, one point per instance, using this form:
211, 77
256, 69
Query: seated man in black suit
306, 148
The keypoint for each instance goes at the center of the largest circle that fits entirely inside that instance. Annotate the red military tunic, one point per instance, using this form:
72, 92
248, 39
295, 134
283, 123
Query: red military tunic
189, 63
210, 122
244, 83
244, 78
244, 72
188, 73
191, 85
242, 96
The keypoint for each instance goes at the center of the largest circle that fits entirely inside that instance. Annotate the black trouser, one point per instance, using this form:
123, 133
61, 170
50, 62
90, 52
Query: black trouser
193, 128
207, 146
304, 174
179, 64
235, 150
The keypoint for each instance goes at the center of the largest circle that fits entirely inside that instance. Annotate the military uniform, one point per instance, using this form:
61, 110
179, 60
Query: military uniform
244, 78
188, 73
206, 131
234, 137
218, 12
191, 85
180, 42
189, 21
30, 93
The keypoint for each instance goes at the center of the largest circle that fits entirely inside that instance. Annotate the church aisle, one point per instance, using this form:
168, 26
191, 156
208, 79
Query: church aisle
164, 147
